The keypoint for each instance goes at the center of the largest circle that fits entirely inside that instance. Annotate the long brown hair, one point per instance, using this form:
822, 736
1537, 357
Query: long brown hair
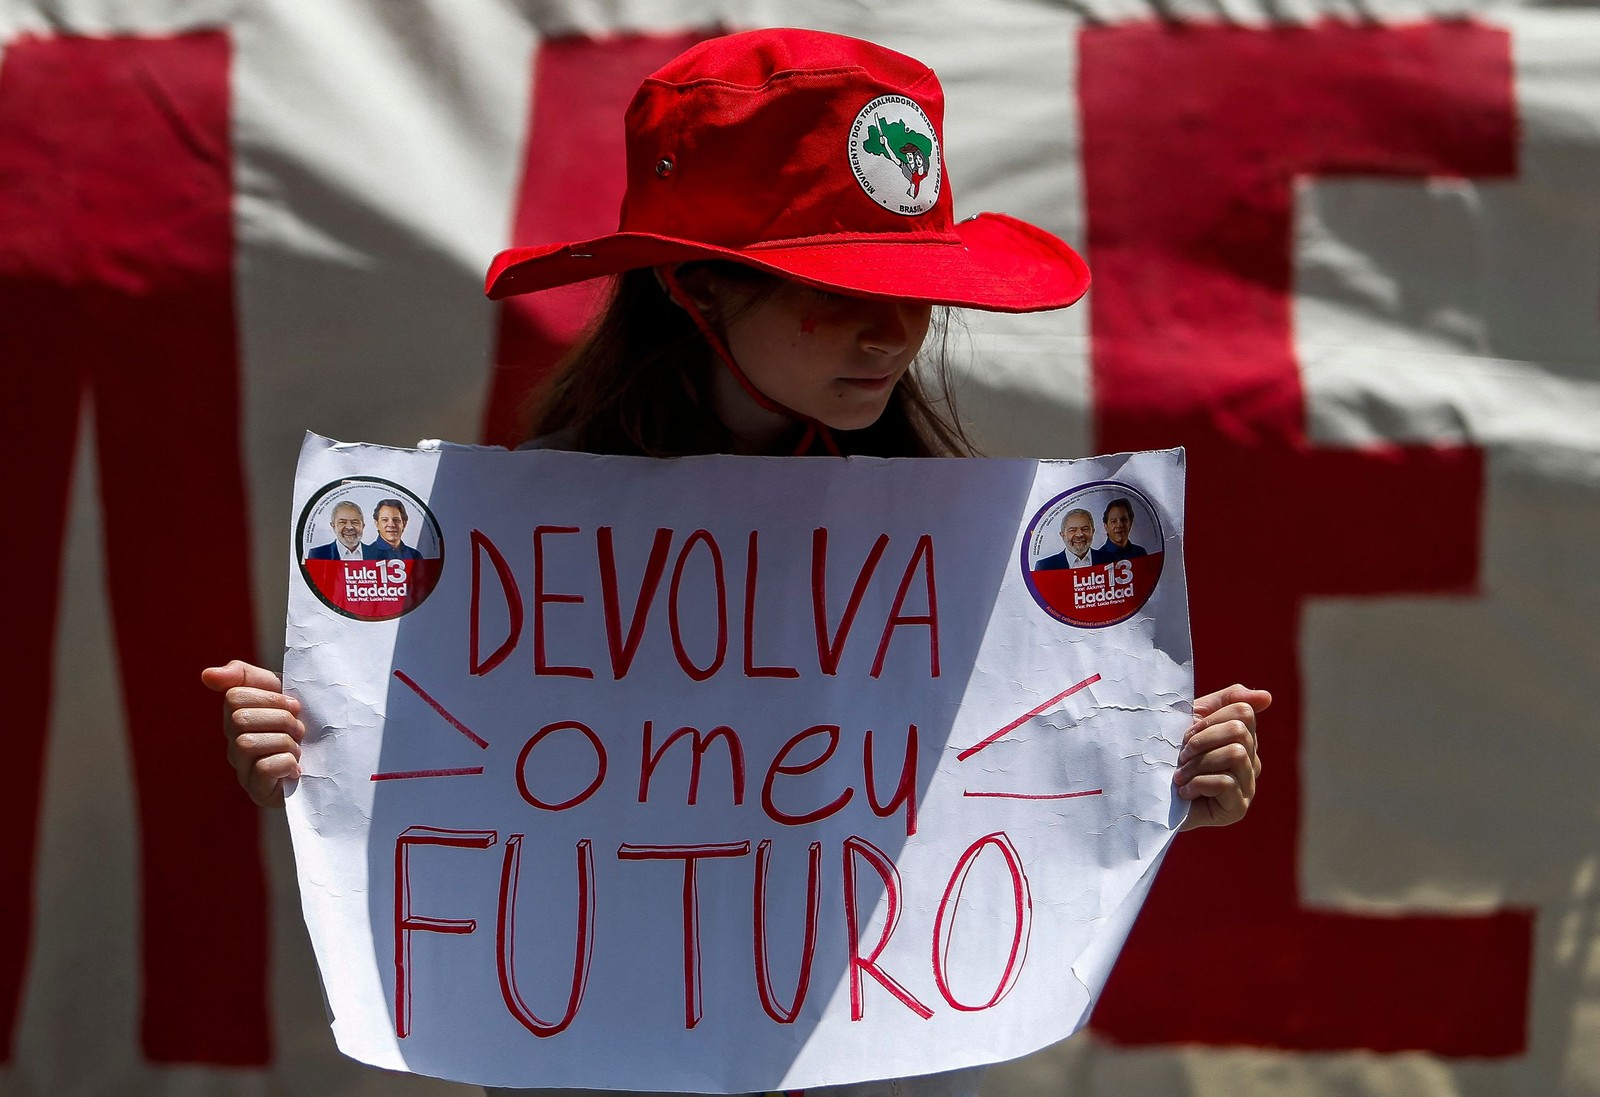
639, 382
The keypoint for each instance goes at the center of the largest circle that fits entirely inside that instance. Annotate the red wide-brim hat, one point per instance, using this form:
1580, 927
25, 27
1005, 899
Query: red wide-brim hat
812, 156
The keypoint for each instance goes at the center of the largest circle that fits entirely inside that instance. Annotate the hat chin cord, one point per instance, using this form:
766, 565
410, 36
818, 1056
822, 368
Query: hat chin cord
814, 429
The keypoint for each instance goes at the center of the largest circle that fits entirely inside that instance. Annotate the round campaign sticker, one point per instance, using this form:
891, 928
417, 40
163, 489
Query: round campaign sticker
1093, 555
369, 548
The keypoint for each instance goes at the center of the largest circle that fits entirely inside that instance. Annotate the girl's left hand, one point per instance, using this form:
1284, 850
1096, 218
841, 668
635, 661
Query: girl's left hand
1218, 766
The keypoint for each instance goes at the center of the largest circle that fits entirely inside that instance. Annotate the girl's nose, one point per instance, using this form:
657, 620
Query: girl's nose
889, 327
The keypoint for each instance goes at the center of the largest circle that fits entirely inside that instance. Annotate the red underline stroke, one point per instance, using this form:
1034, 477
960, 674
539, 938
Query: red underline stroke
1034, 795
408, 774
483, 744
1024, 718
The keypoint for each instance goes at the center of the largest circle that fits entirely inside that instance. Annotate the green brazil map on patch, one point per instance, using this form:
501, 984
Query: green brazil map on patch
905, 146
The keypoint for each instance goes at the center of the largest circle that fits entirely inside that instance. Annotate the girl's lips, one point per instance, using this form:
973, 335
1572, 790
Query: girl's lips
870, 382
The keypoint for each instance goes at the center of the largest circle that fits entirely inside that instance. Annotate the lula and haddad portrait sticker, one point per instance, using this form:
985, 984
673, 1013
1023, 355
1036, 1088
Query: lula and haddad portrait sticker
368, 548
1093, 555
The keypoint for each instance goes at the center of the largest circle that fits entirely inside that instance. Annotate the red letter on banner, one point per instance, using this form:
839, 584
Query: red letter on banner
572, 185
481, 546
116, 296
1190, 228
1021, 925
506, 939
406, 923
855, 850
691, 857
785, 1015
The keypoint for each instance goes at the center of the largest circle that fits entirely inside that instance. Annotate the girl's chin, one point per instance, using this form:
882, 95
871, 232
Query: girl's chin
859, 405
855, 419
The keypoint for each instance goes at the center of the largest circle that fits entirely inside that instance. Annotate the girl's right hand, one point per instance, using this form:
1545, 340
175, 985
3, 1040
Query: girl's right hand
262, 725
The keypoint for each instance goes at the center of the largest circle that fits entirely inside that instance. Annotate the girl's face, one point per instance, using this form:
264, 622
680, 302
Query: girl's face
833, 358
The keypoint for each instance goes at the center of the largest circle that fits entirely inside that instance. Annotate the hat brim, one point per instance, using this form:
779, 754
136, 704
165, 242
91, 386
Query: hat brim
998, 264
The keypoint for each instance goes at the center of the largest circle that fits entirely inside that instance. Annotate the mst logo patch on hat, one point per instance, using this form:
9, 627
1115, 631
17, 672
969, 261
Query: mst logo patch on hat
894, 155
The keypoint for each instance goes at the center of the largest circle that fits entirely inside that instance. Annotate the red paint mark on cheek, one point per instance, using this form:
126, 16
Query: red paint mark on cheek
808, 324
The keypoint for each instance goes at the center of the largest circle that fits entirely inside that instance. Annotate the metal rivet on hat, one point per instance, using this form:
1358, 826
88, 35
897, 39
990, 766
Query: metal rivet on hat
664, 166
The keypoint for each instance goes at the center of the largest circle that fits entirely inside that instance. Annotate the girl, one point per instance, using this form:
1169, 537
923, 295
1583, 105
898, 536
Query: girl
786, 234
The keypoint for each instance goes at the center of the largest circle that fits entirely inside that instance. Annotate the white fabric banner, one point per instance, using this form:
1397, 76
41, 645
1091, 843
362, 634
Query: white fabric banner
727, 774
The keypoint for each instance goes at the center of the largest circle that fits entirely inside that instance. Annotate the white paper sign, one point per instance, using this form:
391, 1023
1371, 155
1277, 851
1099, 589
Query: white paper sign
727, 774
